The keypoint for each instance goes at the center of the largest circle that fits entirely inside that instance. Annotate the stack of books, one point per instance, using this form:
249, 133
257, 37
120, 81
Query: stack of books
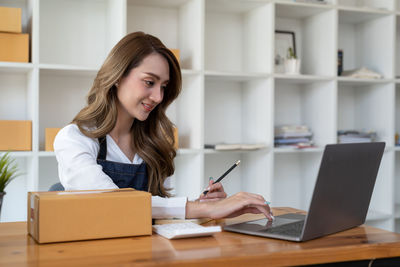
353, 136
298, 136
235, 146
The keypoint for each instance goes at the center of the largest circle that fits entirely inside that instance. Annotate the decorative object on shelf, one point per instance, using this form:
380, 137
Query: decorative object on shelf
235, 146
14, 45
8, 172
283, 41
354, 136
362, 73
396, 139
298, 136
15, 135
340, 62
292, 64
177, 54
50, 134
10, 19
176, 138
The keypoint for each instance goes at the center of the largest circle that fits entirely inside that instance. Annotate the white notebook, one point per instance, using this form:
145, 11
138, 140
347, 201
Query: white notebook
184, 230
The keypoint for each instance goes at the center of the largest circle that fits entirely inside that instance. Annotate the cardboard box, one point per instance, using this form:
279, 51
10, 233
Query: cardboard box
16, 135
176, 53
92, 214
10, 19
50, 134
14, 47
176, 138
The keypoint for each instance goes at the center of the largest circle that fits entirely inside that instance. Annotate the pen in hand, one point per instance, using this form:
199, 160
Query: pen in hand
223, 175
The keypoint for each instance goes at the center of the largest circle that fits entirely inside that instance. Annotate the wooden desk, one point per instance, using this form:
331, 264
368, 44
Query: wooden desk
223, 249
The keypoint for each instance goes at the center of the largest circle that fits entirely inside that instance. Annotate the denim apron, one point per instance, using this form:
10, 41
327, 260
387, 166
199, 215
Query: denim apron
123, 175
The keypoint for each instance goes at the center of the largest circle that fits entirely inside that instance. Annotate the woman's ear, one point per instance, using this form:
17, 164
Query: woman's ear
117, 83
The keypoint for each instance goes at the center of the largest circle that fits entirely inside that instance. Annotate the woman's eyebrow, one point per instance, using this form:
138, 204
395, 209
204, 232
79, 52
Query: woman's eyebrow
155, 76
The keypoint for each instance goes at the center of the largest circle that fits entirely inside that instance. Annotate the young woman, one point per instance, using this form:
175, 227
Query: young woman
122, 137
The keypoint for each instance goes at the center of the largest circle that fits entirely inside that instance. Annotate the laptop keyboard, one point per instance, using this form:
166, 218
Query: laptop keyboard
290, 229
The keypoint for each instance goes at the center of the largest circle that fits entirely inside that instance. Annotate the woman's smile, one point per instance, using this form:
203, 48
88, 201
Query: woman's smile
148, 107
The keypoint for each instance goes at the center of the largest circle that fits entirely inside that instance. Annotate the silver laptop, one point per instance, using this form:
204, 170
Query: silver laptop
341, 197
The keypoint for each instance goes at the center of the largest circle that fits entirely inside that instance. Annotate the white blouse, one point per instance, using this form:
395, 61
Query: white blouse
78, 169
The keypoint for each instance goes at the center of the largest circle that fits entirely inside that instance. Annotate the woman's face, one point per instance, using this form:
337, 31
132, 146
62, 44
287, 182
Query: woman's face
143, 88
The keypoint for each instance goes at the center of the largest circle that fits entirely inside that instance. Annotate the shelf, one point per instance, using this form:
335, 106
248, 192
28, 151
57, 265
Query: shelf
14, 67
366, 10
236, 36
295, 170
234, 103
356, 16
238, 151
281, 150
19, 154
45, 154
58, 69
358, 81
308, 23
302, 79
181, 18
158, 3
361, 107
296, 103
231, 91
293, 10
77, 32
374, 215
233, 6
16, 94
234, 76
377, 54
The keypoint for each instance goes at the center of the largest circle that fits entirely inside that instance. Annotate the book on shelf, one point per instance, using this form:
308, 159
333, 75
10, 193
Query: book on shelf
340, 62
362, 73
298, 136
293, 135
354, 136
235, 146
291, 129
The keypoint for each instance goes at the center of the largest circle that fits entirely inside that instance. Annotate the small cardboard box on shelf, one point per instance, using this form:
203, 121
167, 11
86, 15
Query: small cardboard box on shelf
14, 47
15, 135
60, 216
10, 19
176, 53
50, 134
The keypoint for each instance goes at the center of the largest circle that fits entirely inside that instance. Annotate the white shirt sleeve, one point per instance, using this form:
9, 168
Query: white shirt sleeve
77, 161
78, 170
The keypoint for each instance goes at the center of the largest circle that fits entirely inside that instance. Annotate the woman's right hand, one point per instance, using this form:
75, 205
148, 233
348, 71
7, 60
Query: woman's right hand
233, 206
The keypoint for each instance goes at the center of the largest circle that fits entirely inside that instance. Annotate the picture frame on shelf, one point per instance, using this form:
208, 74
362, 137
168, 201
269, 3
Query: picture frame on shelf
284, 40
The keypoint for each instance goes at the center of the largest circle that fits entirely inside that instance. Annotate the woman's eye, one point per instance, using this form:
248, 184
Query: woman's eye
149, 83
164, 87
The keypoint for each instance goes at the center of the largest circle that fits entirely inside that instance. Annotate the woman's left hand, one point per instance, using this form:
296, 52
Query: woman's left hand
215, 192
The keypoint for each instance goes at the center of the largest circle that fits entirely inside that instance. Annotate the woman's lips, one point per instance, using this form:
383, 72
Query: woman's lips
147, 107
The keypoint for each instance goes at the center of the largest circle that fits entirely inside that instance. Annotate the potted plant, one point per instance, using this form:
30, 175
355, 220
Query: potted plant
292, 63
8, 172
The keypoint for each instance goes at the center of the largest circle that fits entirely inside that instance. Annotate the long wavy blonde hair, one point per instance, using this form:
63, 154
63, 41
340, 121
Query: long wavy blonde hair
153, 138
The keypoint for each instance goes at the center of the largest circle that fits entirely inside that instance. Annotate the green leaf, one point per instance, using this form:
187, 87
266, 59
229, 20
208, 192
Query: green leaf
8, 170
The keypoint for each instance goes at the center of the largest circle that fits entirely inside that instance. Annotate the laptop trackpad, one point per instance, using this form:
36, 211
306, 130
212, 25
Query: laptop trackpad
264, 224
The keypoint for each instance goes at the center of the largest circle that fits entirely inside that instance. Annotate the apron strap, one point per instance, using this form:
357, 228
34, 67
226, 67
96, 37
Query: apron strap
103, 148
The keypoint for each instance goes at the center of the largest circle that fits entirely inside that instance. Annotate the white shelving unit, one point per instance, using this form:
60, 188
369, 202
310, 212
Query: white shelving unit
231, 90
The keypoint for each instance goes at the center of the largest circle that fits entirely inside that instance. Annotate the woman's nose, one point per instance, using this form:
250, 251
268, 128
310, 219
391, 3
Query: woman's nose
157, 95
